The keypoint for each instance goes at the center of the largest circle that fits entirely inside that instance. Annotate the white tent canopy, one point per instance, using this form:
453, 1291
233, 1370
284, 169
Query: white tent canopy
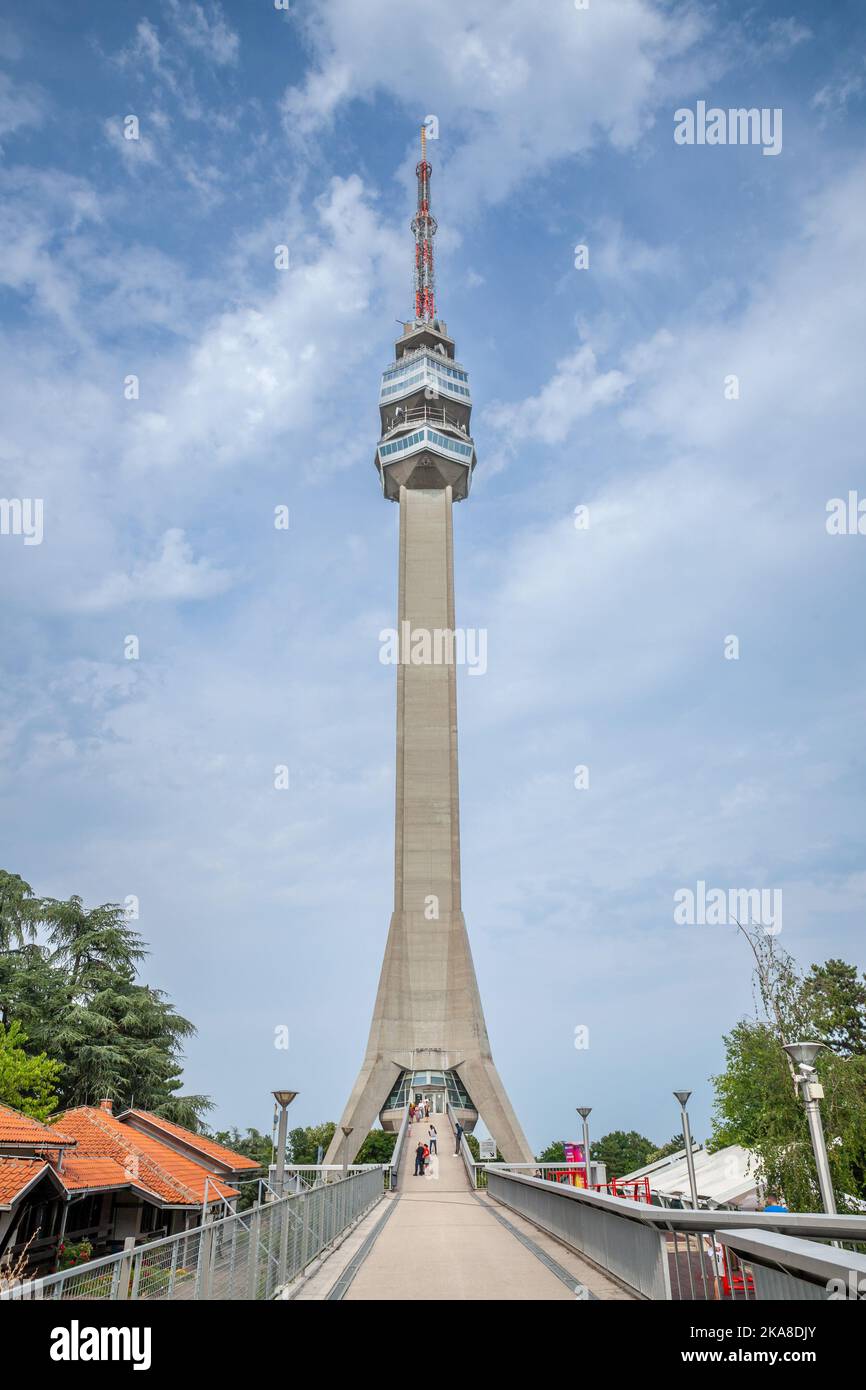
726, 1176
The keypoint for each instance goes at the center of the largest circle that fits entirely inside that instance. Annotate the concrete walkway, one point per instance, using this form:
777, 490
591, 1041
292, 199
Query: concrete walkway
444, 1242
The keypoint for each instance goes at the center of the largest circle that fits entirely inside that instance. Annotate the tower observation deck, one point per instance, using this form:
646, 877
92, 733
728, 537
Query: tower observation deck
428, 1034
424, 400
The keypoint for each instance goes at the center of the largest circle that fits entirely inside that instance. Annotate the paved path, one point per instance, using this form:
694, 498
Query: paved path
442, 1241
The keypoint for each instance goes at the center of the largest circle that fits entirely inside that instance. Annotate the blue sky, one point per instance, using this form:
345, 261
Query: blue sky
601, 387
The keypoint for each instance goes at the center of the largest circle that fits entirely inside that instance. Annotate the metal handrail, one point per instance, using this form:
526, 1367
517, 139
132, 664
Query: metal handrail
465, 1152
249, 1255
658, 1252
397, 1155
431, 352
423, 414
813, 1225
539, 1170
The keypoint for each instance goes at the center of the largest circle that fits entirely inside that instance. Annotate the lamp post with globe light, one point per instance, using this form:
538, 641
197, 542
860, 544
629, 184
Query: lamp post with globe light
682, 1097
584, 1111
347, 1131
284, 1100
802, 1055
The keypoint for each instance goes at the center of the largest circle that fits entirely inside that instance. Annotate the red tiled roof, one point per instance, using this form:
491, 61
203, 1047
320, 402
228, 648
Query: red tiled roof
16, 1128
16, 1174
80, 1173
208, 1147
145, 1162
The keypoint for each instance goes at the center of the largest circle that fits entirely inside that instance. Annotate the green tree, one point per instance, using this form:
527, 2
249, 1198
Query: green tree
87, 942
621, 1151
116, 1038
673, 1146
79, 1001
378, 1147
19, 911
304, 1142
835, 997
554, 1153
756, 1104
31, 990
22, 963
27, 1082
251, 1144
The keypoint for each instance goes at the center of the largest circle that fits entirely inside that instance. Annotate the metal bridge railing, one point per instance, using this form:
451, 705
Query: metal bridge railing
299, 1176
665, 1254
787, 1267
249, 1255
397, 1155
573, 1174
474, 1171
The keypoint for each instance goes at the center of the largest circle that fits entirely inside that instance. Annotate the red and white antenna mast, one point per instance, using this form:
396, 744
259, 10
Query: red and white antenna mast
424, 227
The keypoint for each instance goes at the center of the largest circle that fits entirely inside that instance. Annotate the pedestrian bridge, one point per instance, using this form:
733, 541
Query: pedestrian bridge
469, 1231
436, 1237
520, 1236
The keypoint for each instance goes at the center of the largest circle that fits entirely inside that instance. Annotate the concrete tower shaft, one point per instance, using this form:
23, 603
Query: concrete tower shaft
428, 1020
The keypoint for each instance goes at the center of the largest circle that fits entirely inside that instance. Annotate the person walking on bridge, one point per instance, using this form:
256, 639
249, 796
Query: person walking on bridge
419, 1161
458, 1134
432, 1139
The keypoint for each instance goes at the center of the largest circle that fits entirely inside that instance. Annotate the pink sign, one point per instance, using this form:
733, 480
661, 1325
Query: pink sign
574, 1154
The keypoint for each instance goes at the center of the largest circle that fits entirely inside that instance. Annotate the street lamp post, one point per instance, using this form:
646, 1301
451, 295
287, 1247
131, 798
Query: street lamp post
347, 1130
284, 1100
682, 1097
803, 1055
584, 1111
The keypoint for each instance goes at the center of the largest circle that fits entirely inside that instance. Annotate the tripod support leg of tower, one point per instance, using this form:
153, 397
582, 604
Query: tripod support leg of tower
488, 1094
371, 1090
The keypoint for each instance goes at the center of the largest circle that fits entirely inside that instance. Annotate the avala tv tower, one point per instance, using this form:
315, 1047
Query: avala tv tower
428, 1035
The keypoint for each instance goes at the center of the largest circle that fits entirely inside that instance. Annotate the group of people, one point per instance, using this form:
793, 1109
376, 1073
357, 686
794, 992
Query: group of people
427, 1156
427, 1150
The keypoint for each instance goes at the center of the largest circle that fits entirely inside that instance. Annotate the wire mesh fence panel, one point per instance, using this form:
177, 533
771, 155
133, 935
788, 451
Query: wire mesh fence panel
270, 1250
166, 1271
228, 1260
298, 1218
247, 1255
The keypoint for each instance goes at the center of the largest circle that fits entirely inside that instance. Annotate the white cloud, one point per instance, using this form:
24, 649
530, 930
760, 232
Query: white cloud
779, 40
135, 152
515, 86
834, 96
576, 388
252, 383
174, 576
268, 367
614, 253
21, 104
206, 32
41, 212
146, 49
606, 645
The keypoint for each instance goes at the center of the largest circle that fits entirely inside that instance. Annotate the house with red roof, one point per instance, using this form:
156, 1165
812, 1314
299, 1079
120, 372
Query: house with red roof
90, 1174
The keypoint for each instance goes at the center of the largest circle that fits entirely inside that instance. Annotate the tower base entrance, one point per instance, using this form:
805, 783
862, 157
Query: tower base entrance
438, 1088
